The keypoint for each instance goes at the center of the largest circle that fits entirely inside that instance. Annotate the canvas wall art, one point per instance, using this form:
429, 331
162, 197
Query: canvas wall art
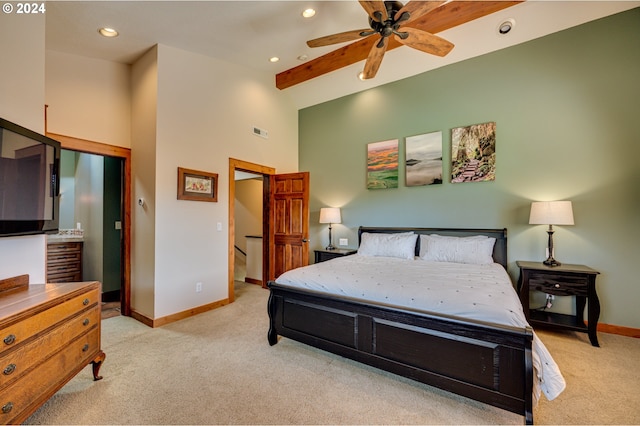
473, 153
382, 164
423, 159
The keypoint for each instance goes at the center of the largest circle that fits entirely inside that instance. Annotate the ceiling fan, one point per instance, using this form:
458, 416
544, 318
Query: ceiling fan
430, 17
386, 19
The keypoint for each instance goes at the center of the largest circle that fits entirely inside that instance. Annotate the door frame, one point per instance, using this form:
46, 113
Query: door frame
90, 147
245, 166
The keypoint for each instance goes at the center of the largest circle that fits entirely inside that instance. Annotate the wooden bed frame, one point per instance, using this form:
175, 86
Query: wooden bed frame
486, 362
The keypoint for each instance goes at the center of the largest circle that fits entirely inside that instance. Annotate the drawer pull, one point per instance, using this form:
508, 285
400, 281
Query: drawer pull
85, 322
10, 339
85, 347
85, 302
9, 369
557, 286
6, 408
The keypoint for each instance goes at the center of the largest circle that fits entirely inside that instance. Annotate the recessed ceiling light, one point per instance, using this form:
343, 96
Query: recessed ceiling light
361, 76
108, 32
303, 57
274, 59
506, 26
308, 13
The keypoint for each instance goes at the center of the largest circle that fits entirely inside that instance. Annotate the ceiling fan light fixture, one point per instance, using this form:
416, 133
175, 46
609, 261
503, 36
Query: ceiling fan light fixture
108, 32
308, 13
506, 26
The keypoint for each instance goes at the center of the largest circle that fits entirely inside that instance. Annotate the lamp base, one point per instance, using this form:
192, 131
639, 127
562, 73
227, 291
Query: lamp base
330, 247
551, 262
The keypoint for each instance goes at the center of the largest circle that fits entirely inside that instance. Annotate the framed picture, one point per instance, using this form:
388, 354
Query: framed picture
195, 185
423, 159
473, 153
382, 164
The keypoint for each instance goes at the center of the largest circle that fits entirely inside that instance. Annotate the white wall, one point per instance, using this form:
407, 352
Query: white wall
144, 95
206, 110
22, 102
88, 98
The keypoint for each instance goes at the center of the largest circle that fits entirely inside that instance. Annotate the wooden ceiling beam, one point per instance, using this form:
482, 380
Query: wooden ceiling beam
443, 18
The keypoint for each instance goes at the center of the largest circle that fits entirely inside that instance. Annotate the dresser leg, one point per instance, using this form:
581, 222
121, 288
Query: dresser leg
97, 363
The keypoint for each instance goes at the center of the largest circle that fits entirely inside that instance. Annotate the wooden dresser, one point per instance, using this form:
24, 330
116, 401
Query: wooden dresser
48, 333
64, 261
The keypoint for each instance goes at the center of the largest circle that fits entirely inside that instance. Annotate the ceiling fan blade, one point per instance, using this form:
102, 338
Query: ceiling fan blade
417, 9
375, 58
371, 7
425, 41
339, 38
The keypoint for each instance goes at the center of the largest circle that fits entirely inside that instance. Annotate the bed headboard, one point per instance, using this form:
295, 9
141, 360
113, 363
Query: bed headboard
499, 249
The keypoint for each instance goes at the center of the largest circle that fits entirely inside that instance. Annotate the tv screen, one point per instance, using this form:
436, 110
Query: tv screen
29, 186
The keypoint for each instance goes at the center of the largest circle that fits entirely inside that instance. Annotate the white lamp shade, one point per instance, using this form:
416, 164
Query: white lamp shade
551, 213
330, 215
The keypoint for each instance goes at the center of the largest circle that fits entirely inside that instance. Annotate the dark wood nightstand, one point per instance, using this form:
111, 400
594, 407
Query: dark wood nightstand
323, 255
563, 280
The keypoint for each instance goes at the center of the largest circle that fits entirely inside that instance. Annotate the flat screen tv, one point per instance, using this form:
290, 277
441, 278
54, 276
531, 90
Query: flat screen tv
29, 183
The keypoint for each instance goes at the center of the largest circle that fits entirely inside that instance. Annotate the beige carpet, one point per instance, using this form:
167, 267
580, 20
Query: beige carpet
217, 368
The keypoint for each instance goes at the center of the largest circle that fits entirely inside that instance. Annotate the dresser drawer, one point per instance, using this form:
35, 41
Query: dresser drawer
27, 393
18, 332
58, 250
57, 268
64, 277
559, 285
64, 256
14, 363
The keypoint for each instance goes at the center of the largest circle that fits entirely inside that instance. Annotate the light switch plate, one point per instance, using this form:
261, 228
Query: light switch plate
343, 242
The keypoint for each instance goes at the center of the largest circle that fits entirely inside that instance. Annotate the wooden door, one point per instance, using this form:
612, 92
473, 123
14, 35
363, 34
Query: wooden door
288, 222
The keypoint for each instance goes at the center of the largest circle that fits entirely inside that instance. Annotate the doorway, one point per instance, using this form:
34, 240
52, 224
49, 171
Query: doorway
121, 156
255, 170
91, 205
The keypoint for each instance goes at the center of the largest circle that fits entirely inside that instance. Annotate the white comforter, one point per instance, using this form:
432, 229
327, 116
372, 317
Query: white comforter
480, 292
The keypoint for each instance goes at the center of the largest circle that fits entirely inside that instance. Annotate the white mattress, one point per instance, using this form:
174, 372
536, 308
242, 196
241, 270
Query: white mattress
480, 292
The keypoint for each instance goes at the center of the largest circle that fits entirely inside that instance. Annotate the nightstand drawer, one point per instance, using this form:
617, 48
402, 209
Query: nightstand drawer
559, 285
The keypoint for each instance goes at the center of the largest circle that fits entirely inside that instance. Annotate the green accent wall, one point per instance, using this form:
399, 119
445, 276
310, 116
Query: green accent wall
566, 108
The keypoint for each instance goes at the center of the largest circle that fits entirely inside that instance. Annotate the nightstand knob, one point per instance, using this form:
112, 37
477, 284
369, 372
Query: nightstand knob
557, 286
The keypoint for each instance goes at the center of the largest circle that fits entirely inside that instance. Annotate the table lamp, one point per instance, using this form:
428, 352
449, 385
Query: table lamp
551, 213
330, 215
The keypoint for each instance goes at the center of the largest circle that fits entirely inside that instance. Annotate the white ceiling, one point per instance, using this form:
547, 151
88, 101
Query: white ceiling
250, 32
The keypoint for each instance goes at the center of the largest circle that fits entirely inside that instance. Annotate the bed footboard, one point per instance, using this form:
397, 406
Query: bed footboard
485, 362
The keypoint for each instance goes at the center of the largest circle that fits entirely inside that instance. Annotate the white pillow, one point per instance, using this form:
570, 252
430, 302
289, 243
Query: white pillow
402, 244
424, 241
477, 250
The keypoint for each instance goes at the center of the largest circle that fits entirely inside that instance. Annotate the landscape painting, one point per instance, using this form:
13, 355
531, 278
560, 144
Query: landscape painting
423, 159
382, 164
473, 153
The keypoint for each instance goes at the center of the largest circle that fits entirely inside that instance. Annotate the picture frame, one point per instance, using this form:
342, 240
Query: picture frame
473, 153
382, 164
196, 185
423, 159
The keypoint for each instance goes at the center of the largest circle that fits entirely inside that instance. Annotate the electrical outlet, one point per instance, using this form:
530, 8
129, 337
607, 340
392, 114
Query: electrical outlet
198, 287
343, 242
